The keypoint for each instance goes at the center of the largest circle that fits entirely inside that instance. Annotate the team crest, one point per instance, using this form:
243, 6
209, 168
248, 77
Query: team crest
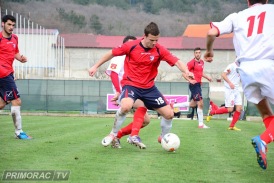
151, 58
113, 66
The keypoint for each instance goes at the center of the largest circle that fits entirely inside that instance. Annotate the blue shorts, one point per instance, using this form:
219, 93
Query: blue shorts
151, 97
8, 88
196, 91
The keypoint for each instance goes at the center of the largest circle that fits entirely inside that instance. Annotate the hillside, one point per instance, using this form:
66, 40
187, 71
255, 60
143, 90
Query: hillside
69, 17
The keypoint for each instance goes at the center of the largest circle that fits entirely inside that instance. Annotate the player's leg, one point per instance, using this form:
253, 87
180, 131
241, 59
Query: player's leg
237, 99
2, 102
196, 95
166, 120
235, 117
137, 123
200, 114
11, 95
260, 91
260, 142
212, 107
126, 103
182, 104
229, 98
127, 129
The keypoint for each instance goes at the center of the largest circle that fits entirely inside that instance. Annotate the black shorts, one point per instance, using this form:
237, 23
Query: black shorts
196, 91
152, 97
8, 88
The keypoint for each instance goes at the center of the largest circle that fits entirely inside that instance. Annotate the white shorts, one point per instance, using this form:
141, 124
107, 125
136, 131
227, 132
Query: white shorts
258, 80
232, 97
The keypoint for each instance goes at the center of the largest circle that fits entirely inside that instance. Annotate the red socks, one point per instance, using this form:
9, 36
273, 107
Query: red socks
268, 134
235, 118
267, 121
134, 127
125, 131
213, 106
138, 120
220, 110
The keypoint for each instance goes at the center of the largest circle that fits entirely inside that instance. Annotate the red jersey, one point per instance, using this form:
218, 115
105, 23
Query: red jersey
141, 64
197, 68
8, 50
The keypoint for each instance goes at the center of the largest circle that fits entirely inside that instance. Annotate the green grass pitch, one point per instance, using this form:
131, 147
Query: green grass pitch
74, 143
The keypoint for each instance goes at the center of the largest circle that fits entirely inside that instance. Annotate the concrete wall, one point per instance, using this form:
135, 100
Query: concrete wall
79, 60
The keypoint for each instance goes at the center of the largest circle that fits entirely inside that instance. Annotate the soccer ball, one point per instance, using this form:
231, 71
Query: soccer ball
170, 142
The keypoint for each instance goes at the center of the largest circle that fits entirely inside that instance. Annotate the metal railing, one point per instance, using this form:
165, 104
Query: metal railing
44, 49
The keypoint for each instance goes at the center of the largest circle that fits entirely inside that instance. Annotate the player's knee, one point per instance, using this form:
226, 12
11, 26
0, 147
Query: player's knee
2, 105
169, 115
16, 102
146, 120
125, 109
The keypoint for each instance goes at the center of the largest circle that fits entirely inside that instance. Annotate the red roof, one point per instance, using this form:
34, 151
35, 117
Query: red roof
194, 36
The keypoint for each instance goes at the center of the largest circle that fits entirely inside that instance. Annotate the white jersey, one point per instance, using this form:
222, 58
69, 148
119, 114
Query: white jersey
116, 65
253, 30
232, 75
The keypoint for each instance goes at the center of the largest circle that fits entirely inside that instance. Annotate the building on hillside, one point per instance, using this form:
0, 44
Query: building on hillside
83, 50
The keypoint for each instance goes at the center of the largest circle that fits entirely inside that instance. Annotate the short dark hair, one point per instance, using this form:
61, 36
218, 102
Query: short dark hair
129, 37
8, 17
251, 2
197, 48
152, 28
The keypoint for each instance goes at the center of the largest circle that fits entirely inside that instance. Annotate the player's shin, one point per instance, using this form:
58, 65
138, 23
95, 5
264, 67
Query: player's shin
200, 116
166, 125
138, 120
118, 121
16, 117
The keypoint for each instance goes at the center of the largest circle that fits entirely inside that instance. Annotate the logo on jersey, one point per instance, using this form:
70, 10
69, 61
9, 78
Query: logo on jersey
113, 66
151, 58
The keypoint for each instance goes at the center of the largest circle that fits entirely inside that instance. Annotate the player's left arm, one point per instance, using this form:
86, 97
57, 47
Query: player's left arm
183, 68
207, 77
20, 58
224, 76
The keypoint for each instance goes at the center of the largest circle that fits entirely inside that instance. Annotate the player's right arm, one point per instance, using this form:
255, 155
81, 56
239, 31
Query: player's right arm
104, 59
224, 76
211, 35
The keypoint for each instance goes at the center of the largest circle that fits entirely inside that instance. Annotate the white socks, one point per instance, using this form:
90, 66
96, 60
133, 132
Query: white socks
200, 116
16, 117
118, 121
166, 126
183, 104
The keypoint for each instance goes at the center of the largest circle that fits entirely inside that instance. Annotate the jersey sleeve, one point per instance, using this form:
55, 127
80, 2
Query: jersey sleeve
16, 48
167, 56
190, 65
115, 65
225, 26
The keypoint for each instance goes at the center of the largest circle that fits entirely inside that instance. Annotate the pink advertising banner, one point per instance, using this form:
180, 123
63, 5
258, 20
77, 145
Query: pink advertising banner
170, 98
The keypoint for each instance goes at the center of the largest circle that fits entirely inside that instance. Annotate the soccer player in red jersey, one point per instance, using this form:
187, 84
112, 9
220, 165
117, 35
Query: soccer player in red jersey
8, 89
143, 57
253, 42
196, 65
116, 71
